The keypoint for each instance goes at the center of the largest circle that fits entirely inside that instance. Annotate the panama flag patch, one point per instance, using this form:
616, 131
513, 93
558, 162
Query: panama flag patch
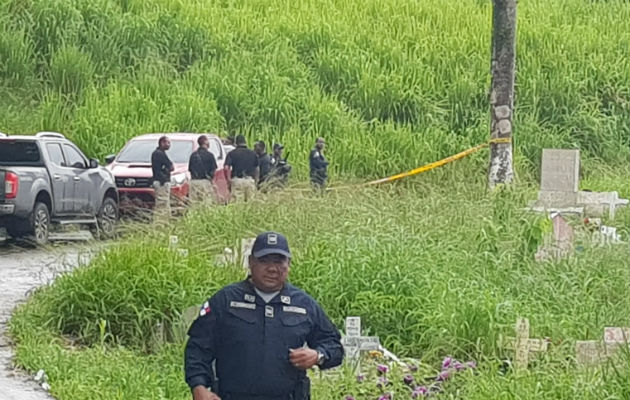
205, 309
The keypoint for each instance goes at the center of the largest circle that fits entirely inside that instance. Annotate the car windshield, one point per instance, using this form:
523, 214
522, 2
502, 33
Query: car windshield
19, 152
139, 151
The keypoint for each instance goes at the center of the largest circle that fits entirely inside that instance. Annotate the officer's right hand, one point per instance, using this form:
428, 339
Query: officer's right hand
201, 393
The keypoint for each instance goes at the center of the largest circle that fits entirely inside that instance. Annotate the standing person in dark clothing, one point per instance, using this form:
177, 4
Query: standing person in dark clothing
264, 162
241, 170
255, 330
318, 165
202, 166
280, 169
162, 168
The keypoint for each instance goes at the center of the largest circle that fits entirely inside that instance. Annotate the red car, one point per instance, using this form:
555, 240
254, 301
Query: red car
132, 169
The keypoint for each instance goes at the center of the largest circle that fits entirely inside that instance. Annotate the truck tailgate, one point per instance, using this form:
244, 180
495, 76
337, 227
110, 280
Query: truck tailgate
2, 188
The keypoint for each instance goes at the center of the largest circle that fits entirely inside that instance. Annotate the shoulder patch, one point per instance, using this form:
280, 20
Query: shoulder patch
205, 309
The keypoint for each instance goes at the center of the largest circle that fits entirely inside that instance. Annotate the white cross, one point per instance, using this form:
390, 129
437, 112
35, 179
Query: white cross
354, 343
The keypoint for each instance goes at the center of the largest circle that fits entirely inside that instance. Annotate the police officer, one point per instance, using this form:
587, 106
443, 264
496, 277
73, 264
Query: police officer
255, 331
318, 165
202, 166
241, 170
162, 167
280, 168
264, 162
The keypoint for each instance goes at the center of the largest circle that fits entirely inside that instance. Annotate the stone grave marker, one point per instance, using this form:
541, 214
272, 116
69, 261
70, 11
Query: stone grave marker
559, 178
354, 343
560, 170
559, 244
523, 345
593, 352
181, 325
246, 249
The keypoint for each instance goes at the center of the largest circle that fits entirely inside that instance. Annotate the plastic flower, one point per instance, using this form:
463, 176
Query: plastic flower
382, 382
442, 376
382, 368
408, 379
446, 364
419, 391
360, 378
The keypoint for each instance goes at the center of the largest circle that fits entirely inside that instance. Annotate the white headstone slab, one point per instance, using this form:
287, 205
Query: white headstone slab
246, 250
353, 326
589, 352
560, 170
617, 335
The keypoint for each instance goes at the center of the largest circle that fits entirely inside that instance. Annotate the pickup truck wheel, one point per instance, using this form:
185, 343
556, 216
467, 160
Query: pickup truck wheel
40, 224
107, 218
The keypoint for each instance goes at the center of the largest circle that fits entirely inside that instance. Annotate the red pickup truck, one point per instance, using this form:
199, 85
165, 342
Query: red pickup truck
132, 169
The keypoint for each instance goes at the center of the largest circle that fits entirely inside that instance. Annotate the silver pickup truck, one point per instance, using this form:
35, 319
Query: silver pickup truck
45, 179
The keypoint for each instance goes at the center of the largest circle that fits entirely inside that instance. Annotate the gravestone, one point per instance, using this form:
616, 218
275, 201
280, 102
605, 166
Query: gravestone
182, 324
354, 343
593, 352
523, 345
558, 244
559, 178
246, 250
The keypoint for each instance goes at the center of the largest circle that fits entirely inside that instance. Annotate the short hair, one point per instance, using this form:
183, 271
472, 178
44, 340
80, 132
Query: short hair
240, 139
201, 139
261, 144
162, 139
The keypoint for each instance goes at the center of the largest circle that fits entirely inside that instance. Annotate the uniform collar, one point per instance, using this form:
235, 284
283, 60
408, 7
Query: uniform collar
282, 297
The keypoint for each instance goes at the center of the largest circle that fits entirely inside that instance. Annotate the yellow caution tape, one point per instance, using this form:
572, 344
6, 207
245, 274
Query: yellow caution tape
439, 163
423, 168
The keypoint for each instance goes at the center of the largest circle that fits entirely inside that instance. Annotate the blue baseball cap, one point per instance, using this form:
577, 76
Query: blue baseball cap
271, 243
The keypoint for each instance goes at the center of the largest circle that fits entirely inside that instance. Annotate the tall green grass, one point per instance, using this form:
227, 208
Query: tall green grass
433, 268
391, 84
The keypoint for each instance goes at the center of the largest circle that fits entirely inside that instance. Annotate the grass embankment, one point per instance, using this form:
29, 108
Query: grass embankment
435, 269
391, 84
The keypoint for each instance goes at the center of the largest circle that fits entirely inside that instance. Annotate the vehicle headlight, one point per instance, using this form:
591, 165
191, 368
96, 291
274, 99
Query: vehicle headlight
178, 179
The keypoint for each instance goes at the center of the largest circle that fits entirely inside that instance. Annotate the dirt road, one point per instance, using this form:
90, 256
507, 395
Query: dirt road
21, 270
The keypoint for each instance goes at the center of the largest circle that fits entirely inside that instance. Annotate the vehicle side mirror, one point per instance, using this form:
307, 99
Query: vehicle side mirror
110, 158
93, 163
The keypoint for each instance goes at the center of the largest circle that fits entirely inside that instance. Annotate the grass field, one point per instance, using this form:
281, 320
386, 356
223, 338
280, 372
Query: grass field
435, 269
391, 84
435, 265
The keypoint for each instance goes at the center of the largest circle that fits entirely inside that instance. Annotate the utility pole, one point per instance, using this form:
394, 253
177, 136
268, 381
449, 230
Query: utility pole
502, 91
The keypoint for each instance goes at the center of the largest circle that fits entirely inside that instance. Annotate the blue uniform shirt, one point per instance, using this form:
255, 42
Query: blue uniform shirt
250, 340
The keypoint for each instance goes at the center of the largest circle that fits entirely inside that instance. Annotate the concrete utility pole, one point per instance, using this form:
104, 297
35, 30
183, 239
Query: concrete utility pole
502, 90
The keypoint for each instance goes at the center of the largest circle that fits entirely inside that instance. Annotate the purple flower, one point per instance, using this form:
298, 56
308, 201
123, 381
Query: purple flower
419, 391
412, 367
348, 397
458, 366
385, 396
442, 376
382, 382
471, 364
360, 378
446, 364
408, 379
382, 368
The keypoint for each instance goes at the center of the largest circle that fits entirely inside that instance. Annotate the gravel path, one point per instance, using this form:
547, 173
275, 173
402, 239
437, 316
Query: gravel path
21, 270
